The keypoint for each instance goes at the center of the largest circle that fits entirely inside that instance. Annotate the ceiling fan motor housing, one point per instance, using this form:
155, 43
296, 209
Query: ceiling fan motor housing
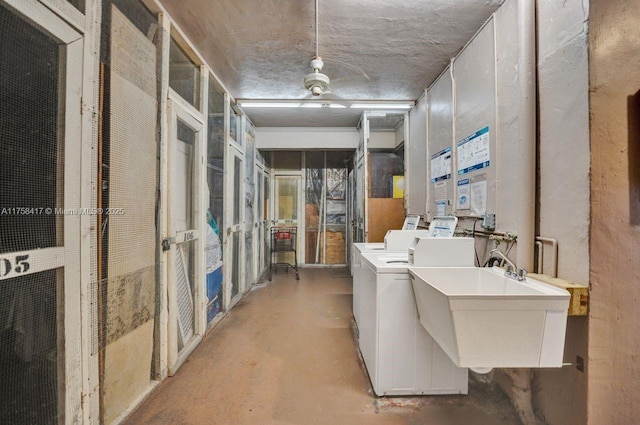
317, 83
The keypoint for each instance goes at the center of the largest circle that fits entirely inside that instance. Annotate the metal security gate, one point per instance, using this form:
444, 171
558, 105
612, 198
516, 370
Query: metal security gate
40, 140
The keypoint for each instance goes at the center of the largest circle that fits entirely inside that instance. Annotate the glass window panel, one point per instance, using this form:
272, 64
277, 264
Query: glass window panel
235, 125
184, 75
186, 133
215, 154
287, 199
237, 172
325, 206
314, 205
183, 183
386, 165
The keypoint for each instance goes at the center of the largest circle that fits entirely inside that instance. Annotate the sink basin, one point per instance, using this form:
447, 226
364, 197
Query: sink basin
483, 319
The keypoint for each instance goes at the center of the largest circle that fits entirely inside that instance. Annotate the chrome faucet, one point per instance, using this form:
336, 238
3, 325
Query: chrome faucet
511, 270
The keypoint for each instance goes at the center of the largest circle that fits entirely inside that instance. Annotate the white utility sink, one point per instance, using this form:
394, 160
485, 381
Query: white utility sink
483, 319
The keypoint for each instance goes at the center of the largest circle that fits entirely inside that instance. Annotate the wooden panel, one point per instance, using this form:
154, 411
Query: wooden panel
579, 302
384, 214
336, 248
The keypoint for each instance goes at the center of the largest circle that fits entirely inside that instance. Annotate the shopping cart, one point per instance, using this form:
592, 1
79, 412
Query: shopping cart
283, 240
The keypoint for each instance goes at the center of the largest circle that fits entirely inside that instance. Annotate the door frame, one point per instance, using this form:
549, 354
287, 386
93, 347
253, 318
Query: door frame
273, 207
260, 218
359, 227
179, 109
234, 151
78, 371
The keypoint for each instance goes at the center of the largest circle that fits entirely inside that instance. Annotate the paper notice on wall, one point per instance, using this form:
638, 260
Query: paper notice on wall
478, 196
441, 208
473, 151
463, 194
441, 165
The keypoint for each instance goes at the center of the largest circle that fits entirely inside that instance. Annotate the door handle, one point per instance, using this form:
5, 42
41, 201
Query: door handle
167, 242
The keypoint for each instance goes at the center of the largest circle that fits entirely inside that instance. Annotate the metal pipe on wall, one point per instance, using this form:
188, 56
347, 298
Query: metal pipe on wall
526, 159
554, 258
539, 251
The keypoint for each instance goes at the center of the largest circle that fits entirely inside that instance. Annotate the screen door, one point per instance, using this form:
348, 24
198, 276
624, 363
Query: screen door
40, 141
185, 221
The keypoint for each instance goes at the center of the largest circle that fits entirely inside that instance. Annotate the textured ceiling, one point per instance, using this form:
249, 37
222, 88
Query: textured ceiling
373, 49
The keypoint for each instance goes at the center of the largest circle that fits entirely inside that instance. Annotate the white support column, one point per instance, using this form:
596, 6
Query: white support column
162, 314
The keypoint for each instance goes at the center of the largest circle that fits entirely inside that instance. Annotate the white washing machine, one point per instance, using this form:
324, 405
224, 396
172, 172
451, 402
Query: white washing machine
395, 241
400, 356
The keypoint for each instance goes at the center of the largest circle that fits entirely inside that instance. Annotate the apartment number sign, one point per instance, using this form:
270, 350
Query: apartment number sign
14, 265
28, 262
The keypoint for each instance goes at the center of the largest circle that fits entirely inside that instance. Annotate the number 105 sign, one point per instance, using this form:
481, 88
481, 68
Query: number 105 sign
28, 262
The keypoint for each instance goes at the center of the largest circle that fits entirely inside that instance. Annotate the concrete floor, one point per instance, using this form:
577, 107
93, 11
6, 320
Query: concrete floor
285, 355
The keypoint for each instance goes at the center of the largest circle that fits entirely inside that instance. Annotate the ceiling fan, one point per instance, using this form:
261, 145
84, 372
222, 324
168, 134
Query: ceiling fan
317, 82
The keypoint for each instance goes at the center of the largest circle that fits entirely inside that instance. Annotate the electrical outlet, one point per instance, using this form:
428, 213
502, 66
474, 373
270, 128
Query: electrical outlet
489, 221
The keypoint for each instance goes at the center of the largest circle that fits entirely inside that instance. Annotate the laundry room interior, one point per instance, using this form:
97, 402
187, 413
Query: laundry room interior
319, 211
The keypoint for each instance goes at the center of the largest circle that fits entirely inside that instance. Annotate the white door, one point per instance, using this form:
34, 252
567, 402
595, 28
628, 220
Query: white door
44, 365
287, 201
185, 223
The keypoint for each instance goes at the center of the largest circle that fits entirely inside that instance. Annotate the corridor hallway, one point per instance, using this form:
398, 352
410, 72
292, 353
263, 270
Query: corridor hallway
285, 355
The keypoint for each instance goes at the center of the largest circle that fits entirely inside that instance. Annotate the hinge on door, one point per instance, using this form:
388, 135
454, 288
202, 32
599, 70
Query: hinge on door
167, 242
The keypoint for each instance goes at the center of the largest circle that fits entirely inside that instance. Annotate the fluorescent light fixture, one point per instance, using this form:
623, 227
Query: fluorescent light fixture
381, 106
269, 104
318, 105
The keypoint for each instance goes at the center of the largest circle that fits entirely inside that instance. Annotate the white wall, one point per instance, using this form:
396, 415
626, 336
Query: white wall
564, 134
465, 100
382, 139
399, 135
415, 153
483, 88
304, 138
563, 187
474, 97
440, 136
